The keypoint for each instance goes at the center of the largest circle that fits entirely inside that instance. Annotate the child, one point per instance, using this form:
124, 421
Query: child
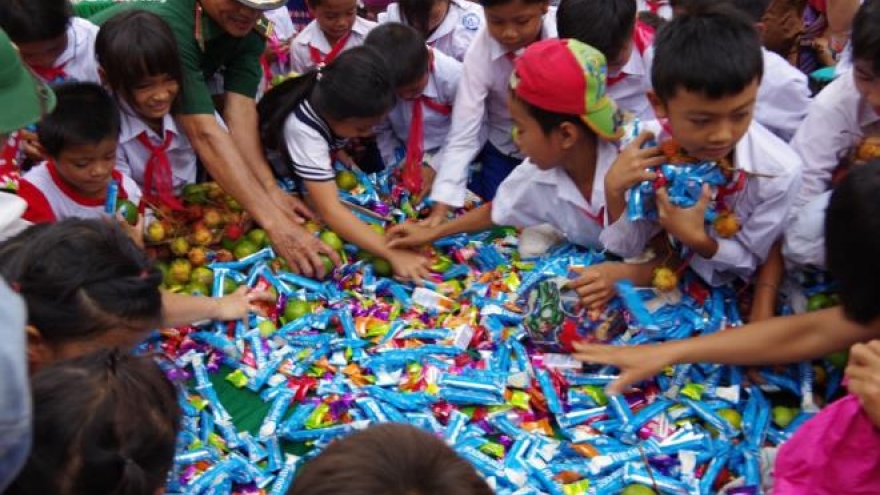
56, 45
115, 436
480, 108
389, 459
308, 117
336, 28
140, 64
425, 81
449, 25
569, 144
844, 114
706, 102
276, 58
87, 286
784, 93
833, 453
80, 138
610, 27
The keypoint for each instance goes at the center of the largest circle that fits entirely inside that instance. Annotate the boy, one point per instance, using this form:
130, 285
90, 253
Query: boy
567, 127
56, 45
336, 27
845, 113
448, 25
853, 233
610, 27
80, 138
480, 108
389, 458
425, 81
707, 103
784, 94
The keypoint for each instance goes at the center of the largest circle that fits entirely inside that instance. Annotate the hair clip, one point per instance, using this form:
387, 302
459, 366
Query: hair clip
320, 71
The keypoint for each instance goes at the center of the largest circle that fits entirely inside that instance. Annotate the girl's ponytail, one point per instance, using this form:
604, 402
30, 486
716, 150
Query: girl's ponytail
278, 103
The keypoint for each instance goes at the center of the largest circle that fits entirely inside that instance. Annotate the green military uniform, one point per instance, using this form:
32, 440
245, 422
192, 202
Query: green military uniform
205, 49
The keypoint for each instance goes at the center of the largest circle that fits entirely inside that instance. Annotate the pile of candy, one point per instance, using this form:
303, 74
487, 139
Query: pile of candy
474, 358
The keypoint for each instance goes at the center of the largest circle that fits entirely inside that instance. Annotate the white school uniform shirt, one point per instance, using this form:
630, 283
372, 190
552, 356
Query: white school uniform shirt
132, 156
455, 33
78, 59
480, 110
783, 96
49, 198
530, 196
441, 88
312, 35
837, 119
309, 141
631, 92
761, 207
659, 7
283, 30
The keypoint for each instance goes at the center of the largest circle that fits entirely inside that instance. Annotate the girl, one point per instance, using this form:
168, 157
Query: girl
87, 286
306, 118
336, 28
140, 65
448, 25
115, 435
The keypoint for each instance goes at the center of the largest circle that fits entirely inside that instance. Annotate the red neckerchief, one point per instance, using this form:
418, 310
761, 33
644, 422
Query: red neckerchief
736, 184
159, 172
318, 58
51, 74
598, 218
415, 144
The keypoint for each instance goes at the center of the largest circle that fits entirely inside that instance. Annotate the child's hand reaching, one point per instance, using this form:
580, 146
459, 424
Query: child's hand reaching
687, 224
863, 372
409, 235
631, 165
595, 285
409, 266
236, 306
136, 231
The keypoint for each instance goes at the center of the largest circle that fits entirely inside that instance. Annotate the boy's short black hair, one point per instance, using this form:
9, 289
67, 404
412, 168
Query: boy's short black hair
495, 3
852, 241
713, 50
404, 50
84, 114
549, 121
606, 25
866, 34
754, 9
27, 21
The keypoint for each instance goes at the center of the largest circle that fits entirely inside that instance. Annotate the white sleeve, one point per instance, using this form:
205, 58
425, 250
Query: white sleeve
783, 102
515, 203
463, 141
308, 151
819, 141
626, 238
300, 59
387, 142
804, 243
131, 189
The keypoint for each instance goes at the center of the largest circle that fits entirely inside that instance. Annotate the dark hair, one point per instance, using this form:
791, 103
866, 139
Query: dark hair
391, 459
550, 121
417, 13
404, 49
134, 45
754, 9
114, 435
355, 84
866, 34
81, 278
27, 21
84, 114
494, 3
606, 25
852, 241
712, 50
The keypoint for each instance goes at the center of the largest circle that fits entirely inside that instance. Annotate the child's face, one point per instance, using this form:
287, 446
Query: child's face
515, 24
87, 167
414, 89
235, 18
867, 82
707, 128
356, 127
545, 151
43, 53
152, 97
336, 17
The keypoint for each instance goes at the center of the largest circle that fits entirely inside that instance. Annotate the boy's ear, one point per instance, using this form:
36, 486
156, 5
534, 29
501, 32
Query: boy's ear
657, 104
39, 354
569, 132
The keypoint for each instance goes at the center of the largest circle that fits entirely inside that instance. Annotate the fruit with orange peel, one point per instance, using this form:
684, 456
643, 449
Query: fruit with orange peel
726, 224
212, 218
198, 256
664, 279
868, 149
201, 236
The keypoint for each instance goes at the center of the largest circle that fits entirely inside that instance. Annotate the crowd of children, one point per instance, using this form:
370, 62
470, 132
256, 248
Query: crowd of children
554, 114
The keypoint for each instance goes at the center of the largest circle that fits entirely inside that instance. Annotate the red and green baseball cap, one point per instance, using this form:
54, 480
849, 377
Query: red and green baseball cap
567, 76
23, 98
